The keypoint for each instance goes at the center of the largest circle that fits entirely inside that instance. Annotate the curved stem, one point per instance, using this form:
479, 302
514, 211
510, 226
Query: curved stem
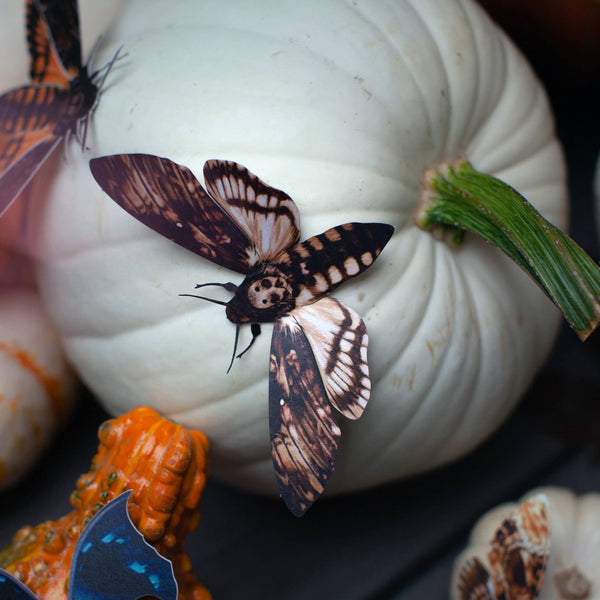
457, 198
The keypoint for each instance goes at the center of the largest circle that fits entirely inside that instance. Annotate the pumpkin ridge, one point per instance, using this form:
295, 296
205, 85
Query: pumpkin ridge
511, 133
425, 393
386, 37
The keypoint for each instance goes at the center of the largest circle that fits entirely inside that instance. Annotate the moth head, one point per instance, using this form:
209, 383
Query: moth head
261, 297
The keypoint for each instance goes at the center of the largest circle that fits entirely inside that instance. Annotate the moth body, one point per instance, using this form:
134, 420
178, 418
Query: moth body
263, 296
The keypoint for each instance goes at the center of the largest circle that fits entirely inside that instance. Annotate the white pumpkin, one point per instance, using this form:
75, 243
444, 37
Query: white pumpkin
341, 105
37, 387
574, 555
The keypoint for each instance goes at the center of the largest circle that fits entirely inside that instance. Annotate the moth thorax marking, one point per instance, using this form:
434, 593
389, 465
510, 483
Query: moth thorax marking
268, 291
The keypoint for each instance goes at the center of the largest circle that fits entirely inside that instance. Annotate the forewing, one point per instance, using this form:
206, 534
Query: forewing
338, 339
474, 582
113, 560
321, 263
12, 589
28, 118
519, 551
304, 433
54, 42
168, 198
31, 108
31, 151
268, 216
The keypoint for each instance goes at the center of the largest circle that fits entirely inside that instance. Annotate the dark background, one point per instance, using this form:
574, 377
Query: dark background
398, 542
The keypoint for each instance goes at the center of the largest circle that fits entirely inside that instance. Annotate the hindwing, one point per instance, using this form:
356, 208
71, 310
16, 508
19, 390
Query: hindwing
268, 216
517, 557
338, 339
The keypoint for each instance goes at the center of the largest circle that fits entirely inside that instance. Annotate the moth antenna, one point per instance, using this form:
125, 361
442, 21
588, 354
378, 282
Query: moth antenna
255, 333
91, 57
235, 343
205, 298
230, 287
107, 67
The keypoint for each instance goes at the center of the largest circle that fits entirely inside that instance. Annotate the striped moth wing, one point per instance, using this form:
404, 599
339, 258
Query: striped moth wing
238, 223
517, 557
318, 359
35, 118
53, 40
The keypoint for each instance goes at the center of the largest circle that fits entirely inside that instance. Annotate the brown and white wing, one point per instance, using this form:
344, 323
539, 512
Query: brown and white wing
168, 198
517, 557
474, 581
338, 339
519, 550
268, 216
304, 434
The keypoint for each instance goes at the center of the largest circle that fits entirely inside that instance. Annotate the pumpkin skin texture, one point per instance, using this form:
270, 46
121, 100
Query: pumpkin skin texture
341, 105
574, 540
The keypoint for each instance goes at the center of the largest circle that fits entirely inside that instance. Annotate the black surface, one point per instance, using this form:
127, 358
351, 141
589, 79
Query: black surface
396, 542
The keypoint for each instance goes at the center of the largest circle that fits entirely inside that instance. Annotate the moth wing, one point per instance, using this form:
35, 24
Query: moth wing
321, 263
12, 589
338, 339
268, 216
111, 544
54, 41
21, 156
474, 581
304, 434
519, 550
168, 198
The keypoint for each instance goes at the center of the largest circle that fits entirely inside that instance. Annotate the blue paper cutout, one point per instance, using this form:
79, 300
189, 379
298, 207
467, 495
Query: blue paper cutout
111, 561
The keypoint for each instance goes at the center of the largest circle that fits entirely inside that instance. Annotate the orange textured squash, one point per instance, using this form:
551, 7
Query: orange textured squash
165, 466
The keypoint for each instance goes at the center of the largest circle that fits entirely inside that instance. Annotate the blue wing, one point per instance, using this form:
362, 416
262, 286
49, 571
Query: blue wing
13, 589
112, 560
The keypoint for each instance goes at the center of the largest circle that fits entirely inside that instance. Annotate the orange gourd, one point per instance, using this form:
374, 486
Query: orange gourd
165, 466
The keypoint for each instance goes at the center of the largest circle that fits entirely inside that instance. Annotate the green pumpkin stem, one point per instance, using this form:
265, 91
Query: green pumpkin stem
457, 198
